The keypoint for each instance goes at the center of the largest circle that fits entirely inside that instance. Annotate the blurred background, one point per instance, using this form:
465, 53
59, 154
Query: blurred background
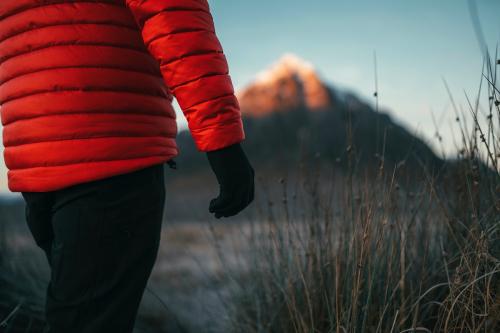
368, 123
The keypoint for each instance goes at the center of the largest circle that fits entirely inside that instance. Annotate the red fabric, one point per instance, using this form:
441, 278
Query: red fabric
86, 87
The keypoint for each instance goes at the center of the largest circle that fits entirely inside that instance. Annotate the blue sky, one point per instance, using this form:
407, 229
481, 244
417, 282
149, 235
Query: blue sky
417, 43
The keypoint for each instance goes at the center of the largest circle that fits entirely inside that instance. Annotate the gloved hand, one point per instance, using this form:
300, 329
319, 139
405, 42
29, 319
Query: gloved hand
236, 180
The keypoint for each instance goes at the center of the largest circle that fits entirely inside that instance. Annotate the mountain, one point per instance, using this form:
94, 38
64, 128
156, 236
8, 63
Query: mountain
289, 83
291, 114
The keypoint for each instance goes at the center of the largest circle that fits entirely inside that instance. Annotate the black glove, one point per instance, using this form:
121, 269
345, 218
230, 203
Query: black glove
236, 180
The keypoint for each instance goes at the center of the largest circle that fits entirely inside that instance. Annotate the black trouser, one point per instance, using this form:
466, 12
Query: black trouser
101, 239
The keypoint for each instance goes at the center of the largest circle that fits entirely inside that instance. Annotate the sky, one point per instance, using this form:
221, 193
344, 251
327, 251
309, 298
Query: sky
418, 43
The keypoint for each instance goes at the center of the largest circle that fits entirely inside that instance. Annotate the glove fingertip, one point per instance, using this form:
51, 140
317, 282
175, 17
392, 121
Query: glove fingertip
211, 206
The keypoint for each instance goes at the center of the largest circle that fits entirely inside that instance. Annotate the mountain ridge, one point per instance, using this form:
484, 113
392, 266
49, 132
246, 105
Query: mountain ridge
290, 111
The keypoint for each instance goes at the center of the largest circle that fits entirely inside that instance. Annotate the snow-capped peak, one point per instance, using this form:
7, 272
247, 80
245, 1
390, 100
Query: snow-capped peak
289, 83
288, 64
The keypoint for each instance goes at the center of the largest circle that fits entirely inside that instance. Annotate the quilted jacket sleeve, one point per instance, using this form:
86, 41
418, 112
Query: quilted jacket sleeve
180, 34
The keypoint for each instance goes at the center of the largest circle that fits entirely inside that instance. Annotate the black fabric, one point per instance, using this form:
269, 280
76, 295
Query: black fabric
101, 239
236, 180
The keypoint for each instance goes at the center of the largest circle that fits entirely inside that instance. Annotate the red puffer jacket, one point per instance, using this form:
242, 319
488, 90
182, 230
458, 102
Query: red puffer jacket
86, 87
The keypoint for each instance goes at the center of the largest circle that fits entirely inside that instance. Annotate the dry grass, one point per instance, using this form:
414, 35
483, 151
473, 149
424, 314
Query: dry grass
381, 253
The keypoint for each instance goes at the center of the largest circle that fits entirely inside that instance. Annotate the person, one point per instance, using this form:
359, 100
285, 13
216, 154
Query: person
86, 90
